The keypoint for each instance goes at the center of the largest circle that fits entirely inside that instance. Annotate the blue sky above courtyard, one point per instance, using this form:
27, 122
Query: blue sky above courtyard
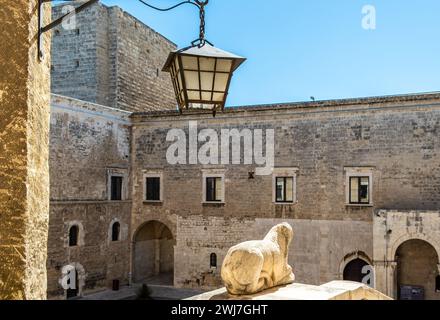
302, 48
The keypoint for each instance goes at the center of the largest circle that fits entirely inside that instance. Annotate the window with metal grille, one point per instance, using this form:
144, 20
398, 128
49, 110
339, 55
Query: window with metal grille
116, 188
116, 229
359, 190
213, 260
73, 236
284, 189
153, 189
214, 189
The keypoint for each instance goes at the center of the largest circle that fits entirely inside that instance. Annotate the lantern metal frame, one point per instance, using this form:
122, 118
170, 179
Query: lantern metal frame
206, 92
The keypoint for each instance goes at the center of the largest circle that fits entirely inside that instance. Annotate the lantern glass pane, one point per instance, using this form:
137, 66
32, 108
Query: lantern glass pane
221, 81
190, 63
224, 65
207, 64
207, 79
193, 95
206, 96
218, 97
192, 80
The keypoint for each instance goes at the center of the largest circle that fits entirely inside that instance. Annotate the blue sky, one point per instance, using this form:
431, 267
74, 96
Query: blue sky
302, 48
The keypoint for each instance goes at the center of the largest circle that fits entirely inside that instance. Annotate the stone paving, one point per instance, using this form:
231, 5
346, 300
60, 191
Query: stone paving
158, 292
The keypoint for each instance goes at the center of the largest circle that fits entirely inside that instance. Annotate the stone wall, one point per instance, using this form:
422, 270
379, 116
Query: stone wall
393, 229
111, 58
316, 253
89, 142
24, 151
101, 259
140, 55
397, 138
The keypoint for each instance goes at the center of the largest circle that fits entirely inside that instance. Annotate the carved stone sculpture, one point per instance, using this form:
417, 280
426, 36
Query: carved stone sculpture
254, 266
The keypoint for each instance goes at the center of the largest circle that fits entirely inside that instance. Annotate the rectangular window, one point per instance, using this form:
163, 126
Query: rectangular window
284, 189
359, 190
214, 189
116, 188
153, 189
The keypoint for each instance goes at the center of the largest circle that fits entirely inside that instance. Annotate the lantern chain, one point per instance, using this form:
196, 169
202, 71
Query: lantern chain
199, 4
202, 23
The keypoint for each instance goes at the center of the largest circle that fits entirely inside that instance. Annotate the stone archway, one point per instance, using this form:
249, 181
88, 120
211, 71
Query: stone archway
417, 270
80, 280
354, 270
153, 254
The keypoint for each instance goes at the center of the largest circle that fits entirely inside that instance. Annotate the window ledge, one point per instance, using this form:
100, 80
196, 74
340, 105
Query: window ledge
213, 204
151, 202
359, 205
285, 203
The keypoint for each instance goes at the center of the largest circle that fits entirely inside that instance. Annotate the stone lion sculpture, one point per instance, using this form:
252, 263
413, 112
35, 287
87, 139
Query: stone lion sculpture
254, 266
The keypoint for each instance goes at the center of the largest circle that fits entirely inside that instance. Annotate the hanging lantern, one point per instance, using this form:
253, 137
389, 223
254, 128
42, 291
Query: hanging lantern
201, 73
201, 76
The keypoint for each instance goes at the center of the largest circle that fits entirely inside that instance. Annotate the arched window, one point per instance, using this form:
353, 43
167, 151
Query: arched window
437, 283
213, 260
116, 230
73, 236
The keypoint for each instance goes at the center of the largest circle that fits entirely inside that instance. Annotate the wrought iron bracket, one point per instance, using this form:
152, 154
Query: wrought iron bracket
42, 28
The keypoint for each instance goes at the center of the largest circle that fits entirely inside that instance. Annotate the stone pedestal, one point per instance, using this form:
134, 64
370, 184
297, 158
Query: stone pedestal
335, 290
24, 151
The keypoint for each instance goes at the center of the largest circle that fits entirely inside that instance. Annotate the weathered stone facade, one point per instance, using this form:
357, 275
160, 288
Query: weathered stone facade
394, 141
395, 138
88, 143
106, 56
406, 250
387, 137
24, 151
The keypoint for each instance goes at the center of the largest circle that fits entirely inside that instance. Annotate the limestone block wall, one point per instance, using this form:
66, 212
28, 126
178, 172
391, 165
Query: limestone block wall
74, 67
397, 138
316, 254
392, 229
111, 58
139, 57
89, 142
24, 151
100, 260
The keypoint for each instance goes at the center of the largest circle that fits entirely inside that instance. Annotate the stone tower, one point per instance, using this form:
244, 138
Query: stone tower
106, 56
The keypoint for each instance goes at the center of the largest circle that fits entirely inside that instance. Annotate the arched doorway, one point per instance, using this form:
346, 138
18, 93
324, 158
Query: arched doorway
153, 256
355, 270
73, 280
417, 271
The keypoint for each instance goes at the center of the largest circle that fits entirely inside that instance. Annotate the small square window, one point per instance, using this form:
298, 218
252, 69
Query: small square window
152, 189
359, 190
214, 189
284, 189
116, 188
